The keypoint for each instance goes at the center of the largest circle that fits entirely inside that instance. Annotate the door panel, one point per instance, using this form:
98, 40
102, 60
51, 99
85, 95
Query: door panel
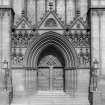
43, 79
57, 79
50, 79
50, 76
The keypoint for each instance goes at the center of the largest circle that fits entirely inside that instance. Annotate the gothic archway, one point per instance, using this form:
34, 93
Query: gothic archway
51, 38
55, 46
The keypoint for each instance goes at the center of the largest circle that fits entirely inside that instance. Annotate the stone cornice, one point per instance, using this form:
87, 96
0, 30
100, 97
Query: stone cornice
7, 10
70, 68
97, 11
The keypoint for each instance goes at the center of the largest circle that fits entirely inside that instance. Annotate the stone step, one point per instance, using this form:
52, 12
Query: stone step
50, 98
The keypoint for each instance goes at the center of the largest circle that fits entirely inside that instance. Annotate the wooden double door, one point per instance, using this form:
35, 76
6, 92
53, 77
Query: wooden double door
50, 74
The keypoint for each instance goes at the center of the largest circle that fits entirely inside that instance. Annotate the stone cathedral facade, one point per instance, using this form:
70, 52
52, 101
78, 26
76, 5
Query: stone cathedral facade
52, 52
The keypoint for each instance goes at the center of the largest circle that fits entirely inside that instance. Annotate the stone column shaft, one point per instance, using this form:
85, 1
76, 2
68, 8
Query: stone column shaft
31, 80
95, 36
70, 81
102, 41
6, 17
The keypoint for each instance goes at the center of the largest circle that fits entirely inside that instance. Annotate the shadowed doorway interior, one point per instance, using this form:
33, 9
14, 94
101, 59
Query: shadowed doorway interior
51, 70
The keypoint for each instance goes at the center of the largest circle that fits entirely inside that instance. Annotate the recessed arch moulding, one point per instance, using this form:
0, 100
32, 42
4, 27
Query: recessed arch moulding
60, 42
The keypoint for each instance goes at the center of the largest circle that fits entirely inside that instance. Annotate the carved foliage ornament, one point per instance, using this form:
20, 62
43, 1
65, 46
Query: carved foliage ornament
50, 23
17, 56
21, 38
79, 38
84, 56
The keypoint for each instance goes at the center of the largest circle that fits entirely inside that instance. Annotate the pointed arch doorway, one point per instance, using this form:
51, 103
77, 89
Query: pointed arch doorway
54, 61
51, 70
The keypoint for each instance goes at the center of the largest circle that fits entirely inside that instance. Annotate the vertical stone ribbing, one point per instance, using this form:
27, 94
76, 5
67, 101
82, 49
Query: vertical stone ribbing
46, 5
6, 15
77, 4
25, 7
31, 81
18, 7
102, 55
102, 40
61, 11
6, 35
11, 3
40, 10
95, 53
31, 11
97, 24
70, 81
36, 12
98, 51
83, 8
70, 10
1, 18
65, 11
99, 14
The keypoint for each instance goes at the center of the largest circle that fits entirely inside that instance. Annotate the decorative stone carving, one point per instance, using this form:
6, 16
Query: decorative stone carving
17, 58
6, 11
50, 60
79, 38
23, 25
51, 5
50, 23
84, 56
21, 38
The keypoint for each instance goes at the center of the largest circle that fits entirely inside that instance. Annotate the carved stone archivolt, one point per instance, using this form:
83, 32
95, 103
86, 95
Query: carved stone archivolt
55, 39
79, 39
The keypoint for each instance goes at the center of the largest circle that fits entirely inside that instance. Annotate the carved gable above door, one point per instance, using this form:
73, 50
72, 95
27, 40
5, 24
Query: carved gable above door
23, 23
51, 21
78, 23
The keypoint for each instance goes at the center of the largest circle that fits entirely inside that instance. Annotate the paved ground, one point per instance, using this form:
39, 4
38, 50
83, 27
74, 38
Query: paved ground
50, 99
3, 98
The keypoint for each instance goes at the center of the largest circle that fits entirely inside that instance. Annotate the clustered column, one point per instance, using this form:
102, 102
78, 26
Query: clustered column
70, 80
31, 80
